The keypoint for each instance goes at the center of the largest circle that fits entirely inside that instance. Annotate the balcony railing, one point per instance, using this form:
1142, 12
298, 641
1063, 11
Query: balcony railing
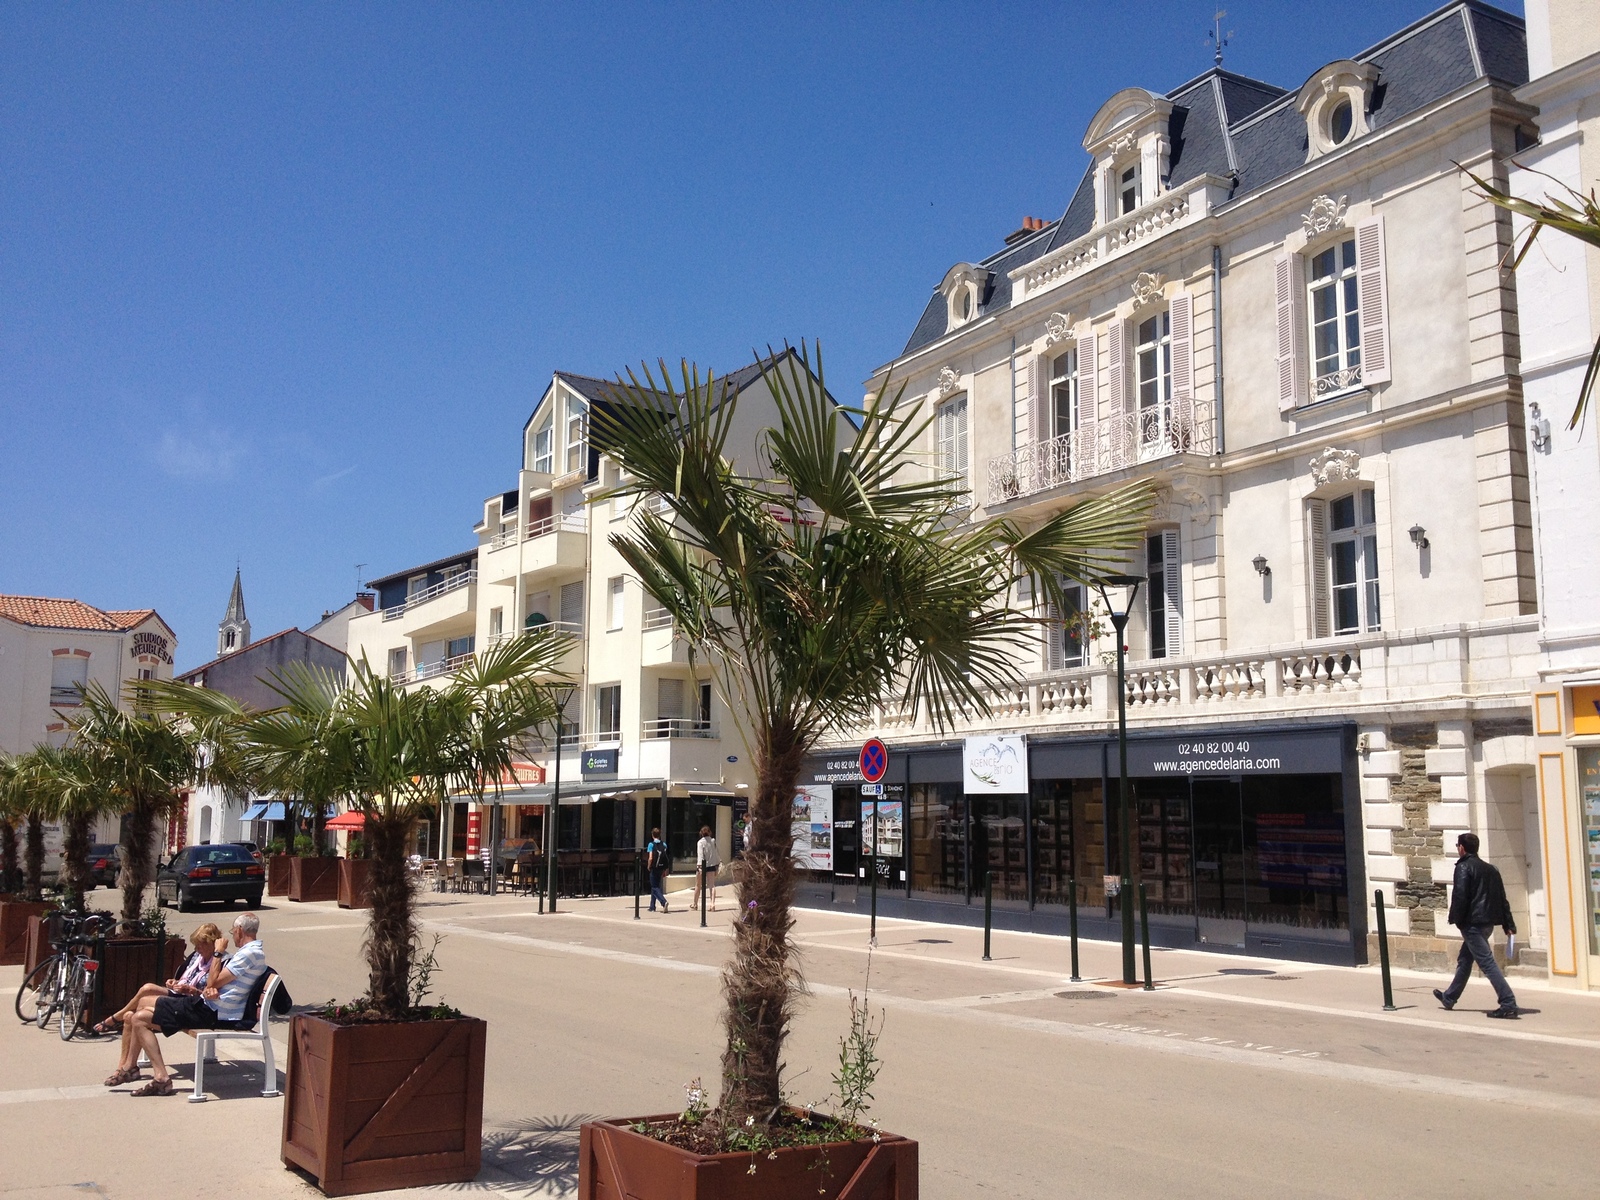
678, 727
559, 523
1125, 440
431, 670
1335, 382
506, 537
459, 580
658, 618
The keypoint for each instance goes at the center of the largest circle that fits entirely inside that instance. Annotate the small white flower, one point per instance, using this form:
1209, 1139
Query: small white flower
752, 1169
877, 1137
749, 1121
772, 1156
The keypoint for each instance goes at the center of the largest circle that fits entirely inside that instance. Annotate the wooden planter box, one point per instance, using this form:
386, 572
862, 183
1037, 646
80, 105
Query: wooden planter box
314, 879
278, 874
353, 874
14, 916
126, 965
38, 944
615, 1163
373, 1107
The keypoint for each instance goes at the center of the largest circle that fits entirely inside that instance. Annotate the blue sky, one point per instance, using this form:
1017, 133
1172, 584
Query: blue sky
281, 282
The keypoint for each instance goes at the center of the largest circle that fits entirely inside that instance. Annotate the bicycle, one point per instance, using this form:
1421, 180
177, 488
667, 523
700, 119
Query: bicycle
63, 984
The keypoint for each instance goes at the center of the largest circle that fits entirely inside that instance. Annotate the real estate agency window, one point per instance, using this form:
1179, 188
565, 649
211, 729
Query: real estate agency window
608, 710
951, 432
1335, 312
1063, 393
1353, 562
614, 597
1153, 362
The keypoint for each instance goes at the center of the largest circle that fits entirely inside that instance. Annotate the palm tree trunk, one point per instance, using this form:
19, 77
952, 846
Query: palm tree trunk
138, 837
10, 868
760, 981
75, 859
392, 932
33, 860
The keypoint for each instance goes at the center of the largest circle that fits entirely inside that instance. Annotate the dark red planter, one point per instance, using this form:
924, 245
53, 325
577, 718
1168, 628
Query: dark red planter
353, 874
127, 964
615, 1163
278, 874
314, 879
14, 916
372, 1107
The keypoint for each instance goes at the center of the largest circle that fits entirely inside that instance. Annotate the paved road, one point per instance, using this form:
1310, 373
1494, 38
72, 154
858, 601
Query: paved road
1237, 1077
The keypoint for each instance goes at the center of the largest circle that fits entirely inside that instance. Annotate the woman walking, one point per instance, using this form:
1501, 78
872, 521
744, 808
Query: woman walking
706, 863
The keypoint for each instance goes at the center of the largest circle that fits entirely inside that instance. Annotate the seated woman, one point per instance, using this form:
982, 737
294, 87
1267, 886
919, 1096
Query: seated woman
207, 941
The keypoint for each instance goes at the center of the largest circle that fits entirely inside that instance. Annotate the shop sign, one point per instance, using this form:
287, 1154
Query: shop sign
1246, 752
152, 644
1585, 711
994, 765
811, 828
840, 768
741, 824
599, 762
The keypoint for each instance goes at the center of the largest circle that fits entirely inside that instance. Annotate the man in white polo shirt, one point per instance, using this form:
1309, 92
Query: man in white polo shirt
220, 1004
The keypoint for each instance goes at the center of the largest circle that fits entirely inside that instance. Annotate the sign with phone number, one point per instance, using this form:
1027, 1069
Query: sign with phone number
1255, 753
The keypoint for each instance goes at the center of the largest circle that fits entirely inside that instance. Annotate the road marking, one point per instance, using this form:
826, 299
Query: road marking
1227, 1051
315, 928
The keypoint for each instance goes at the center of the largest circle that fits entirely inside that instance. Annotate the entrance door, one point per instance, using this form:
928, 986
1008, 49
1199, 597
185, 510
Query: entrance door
1219, 898
846, 842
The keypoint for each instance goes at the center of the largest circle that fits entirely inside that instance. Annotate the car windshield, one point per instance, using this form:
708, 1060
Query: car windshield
202, 855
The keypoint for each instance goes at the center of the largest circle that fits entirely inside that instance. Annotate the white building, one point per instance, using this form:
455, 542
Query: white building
1558, 286
1285, 306
648, 743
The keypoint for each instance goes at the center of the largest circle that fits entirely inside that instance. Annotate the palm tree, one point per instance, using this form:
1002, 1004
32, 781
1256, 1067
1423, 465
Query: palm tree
841, 577
11, 811
144, 759
24, 801
69, 791
395, 756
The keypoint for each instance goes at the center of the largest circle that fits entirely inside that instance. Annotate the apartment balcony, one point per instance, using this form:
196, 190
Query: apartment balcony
664, 728
660, 645
684, 759
557, 543
1148, 435
447, 606
498, 559
1336, 677
433, 670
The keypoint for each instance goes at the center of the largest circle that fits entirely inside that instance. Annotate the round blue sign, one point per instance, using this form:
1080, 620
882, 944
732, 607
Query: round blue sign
874, 760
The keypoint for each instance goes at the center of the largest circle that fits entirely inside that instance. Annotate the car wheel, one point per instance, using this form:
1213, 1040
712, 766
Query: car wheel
254, 901
184, 903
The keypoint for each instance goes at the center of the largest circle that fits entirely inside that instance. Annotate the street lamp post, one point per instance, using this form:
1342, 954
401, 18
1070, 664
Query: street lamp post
1119, 621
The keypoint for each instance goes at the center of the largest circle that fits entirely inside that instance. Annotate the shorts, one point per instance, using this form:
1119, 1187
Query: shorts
176, 1013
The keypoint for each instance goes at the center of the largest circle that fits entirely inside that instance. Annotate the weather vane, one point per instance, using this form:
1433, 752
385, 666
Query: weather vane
1217, 38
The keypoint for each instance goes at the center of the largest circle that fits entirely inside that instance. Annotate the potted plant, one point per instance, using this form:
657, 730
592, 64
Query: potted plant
393, 755
278, 858
22, 800
816, 591
353, 871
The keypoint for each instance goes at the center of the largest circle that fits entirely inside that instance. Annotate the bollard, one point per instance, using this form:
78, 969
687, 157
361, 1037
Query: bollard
872, 934
1072, 916
1144, 934
703, 890
1383, 952
988, 910
638, 878
541, 901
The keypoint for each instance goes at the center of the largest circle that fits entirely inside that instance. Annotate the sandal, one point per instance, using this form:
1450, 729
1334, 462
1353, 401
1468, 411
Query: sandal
156, 1087
124, 1075
109, 1025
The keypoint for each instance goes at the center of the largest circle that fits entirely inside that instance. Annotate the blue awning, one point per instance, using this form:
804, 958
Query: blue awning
272, 812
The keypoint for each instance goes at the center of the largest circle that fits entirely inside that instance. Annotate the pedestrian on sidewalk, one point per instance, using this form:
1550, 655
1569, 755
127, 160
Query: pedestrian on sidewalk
706, 863
1477, 904
658, 860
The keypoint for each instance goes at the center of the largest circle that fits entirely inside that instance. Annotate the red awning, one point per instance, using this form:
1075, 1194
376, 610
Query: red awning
348, 820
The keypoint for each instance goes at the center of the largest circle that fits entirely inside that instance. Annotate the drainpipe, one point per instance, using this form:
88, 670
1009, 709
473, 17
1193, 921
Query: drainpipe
1013, 417
1216, 338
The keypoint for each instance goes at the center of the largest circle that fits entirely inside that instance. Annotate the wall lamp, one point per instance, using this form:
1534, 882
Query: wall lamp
1419, 537
1259, 562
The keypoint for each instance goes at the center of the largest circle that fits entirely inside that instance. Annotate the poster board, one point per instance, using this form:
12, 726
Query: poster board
994, 765
889, 836
811, 826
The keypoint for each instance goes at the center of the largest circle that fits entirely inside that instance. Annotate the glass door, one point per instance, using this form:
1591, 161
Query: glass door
1218, 849
846, 842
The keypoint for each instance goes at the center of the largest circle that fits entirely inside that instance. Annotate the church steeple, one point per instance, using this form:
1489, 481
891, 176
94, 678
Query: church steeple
234, 631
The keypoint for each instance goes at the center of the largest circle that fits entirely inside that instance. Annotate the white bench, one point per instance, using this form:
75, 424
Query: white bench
206, 1046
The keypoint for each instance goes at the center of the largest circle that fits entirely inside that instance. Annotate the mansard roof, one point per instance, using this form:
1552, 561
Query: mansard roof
1231, 126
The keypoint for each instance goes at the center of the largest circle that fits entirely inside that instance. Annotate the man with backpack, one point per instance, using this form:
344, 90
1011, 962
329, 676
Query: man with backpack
658, 861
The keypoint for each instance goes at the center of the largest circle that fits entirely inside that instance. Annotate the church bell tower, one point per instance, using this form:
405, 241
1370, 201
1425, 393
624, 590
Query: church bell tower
234, 631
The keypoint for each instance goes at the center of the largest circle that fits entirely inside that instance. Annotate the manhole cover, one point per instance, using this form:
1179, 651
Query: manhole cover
1084, 995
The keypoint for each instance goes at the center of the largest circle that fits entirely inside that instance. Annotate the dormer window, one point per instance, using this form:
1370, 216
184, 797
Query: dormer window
1335, 102
964, 287
1132, 150
1129, 185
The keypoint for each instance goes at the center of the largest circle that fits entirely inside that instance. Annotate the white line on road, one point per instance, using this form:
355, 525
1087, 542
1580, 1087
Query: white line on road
314, 928
1133, 1037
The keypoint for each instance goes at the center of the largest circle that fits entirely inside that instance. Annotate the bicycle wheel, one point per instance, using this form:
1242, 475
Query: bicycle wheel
28, 993
73, 999
49, 992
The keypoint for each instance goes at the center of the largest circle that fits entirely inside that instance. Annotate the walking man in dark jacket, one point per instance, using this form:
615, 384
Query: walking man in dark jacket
1477, 904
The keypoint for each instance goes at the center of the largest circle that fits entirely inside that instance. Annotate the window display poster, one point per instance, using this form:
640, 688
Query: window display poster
889, 836
994, 765
811, 825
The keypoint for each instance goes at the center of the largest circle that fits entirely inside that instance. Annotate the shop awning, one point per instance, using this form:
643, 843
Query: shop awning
586, 791
352, 821
272, 811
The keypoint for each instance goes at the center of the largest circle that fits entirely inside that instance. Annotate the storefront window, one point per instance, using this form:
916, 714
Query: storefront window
1000, 845
1294, 860
1069, 840
938, 847
612, 824
570, 835
684, 819
1589, 790
1164, 862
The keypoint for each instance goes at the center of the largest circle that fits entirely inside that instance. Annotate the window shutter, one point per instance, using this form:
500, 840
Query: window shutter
1181, 314
1291, 333
1117, 368
1172, 579
572, 604
1038, 390
1374, 293
1317, 515
961, 438
669, 699
1088, 380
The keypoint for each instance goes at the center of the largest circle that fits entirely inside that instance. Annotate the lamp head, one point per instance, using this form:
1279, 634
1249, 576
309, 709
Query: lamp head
1419, 537
1259, 562
1127, 587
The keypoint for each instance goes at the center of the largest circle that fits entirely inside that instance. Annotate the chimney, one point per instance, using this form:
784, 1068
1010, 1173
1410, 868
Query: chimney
366, 600
1030, 225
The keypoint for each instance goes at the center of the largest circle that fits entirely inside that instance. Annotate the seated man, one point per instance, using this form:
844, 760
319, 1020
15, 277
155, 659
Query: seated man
220, 1005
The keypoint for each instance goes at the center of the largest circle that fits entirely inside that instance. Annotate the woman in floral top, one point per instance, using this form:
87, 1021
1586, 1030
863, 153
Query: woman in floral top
190, 979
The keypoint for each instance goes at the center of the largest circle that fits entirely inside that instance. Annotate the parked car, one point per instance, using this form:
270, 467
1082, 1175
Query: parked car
255, 850
105, 863
210, 874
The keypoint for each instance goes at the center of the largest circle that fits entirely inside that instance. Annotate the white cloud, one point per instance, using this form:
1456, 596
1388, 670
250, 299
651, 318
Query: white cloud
201, 451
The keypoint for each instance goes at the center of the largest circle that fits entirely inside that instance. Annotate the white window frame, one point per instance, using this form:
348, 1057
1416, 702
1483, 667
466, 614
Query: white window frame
1064, 392
67, 685
616, 603
1129, 177
1152, 380
1357, 545
543, 458
1343, 287
1063, 651
576, 434
397, 662
608, 712
1163, 619
952, 441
